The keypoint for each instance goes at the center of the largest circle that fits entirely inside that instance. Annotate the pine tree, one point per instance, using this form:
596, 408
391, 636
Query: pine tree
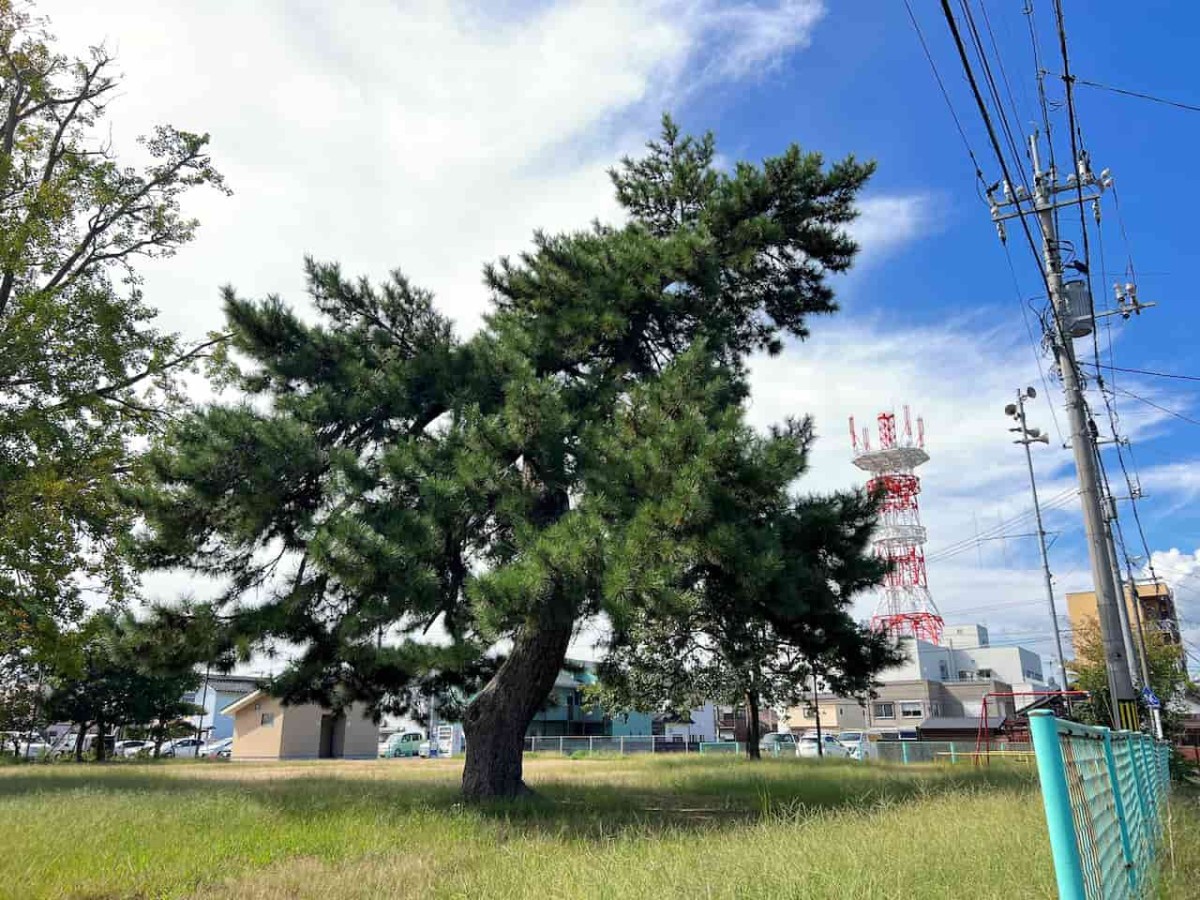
385, 476
765, 603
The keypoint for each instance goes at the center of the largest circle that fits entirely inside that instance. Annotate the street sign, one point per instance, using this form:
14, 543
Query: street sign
1150, 699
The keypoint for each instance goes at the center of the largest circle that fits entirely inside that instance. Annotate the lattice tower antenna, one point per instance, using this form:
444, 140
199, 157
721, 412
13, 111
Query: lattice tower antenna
905, 606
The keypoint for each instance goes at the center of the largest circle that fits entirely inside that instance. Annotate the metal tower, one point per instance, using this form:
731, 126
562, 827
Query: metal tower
905, 607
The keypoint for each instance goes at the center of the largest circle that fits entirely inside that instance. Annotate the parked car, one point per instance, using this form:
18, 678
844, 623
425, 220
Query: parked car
852, 741
65, 745
778, 743
443, 748
810, 748
221, 749
404, 744
28, 744
132, 748
181, 748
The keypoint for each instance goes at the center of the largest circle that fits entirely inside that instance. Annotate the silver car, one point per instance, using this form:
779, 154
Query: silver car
828, 747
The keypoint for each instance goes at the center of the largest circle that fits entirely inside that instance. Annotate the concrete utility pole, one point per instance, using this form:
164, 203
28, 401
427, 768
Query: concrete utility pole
1035, 436
1135, 660
1073, 317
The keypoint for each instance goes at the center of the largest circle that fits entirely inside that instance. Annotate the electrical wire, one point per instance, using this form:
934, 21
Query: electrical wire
1138, 94
952, 23
998, 530
1170, 412
945, 94
1150, 372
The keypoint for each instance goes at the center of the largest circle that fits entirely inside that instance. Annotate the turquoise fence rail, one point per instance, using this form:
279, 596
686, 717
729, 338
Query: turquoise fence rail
1105, 793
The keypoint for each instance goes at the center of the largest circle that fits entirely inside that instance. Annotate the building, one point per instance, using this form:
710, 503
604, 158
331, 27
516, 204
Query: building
567, 712
214, 694
1156, 601
967, 654
264, 728
938, 692
915, 708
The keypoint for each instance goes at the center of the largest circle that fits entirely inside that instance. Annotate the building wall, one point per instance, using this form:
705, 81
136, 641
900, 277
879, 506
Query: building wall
361, 735
214, 695
1157, 609
296, 732
252, 739
630, 723
301, 731
837, 713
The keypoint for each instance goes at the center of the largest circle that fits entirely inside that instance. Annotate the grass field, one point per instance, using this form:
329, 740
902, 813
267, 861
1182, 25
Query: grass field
660, 828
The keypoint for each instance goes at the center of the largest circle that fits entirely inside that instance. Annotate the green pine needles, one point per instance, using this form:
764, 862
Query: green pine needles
585, 453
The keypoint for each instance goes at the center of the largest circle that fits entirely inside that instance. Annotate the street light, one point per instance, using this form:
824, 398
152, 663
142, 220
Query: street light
1028, 436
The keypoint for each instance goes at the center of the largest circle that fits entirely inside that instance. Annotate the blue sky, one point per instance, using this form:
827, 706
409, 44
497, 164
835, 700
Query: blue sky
436, 136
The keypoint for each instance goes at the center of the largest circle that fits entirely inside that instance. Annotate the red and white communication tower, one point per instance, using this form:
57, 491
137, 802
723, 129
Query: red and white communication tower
905, 607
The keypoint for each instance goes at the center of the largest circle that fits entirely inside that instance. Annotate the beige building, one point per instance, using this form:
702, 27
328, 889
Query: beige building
264, 728
933, 709
1156, 602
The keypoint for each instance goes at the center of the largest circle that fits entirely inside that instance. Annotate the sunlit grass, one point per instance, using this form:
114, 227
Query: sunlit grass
633, 827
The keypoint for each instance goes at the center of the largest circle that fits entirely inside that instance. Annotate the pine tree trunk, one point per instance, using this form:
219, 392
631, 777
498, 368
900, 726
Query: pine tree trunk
101, 730
753, 751
497, 718
83, 727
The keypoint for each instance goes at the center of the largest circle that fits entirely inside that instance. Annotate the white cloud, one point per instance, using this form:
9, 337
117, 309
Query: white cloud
885, 222
438, 136
430, 136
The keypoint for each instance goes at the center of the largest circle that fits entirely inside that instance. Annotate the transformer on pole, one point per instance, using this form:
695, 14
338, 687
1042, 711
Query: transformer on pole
905, 608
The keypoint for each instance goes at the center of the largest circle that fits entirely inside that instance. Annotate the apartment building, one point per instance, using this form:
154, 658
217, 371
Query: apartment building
1155, 601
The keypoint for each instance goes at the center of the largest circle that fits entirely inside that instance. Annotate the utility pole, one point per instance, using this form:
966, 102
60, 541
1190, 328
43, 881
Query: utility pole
1110, 516
1035, 436
1073, 317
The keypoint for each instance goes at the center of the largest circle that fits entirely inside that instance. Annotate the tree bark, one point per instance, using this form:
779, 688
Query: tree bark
83, 727
753, 751
101, 731
496, 720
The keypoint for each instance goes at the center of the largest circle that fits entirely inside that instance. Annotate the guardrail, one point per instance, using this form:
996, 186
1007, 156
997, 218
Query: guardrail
1105, 793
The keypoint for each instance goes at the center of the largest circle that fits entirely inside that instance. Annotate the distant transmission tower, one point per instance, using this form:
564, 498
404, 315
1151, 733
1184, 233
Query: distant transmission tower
905, 607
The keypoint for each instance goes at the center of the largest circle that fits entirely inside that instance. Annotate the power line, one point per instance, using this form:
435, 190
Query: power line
1151, 372
1170, 412
945, 94
1128, 93
952, 23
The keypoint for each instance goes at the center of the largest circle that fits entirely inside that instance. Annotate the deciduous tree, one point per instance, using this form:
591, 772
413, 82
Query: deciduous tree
84, 372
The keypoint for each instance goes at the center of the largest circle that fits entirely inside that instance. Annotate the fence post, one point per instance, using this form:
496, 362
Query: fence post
560, 743
1142, 781
591, 745
1131, 871
904, 752
953, 753
622, 745
1068, 868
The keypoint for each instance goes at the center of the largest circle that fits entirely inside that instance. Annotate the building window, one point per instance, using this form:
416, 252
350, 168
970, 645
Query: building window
964, 675
885, 711
267, 720
935, 708
943, 669
985, 673
911, 710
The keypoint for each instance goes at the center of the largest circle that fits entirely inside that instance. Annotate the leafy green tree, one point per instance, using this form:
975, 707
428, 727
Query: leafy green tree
84, 374
1164, 661
766, 602
385, 476
94, 684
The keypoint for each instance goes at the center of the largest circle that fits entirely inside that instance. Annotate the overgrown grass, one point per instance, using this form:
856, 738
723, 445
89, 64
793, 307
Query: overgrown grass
633, 827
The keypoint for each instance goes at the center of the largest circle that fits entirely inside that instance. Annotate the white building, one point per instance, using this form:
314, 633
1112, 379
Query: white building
966, 654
